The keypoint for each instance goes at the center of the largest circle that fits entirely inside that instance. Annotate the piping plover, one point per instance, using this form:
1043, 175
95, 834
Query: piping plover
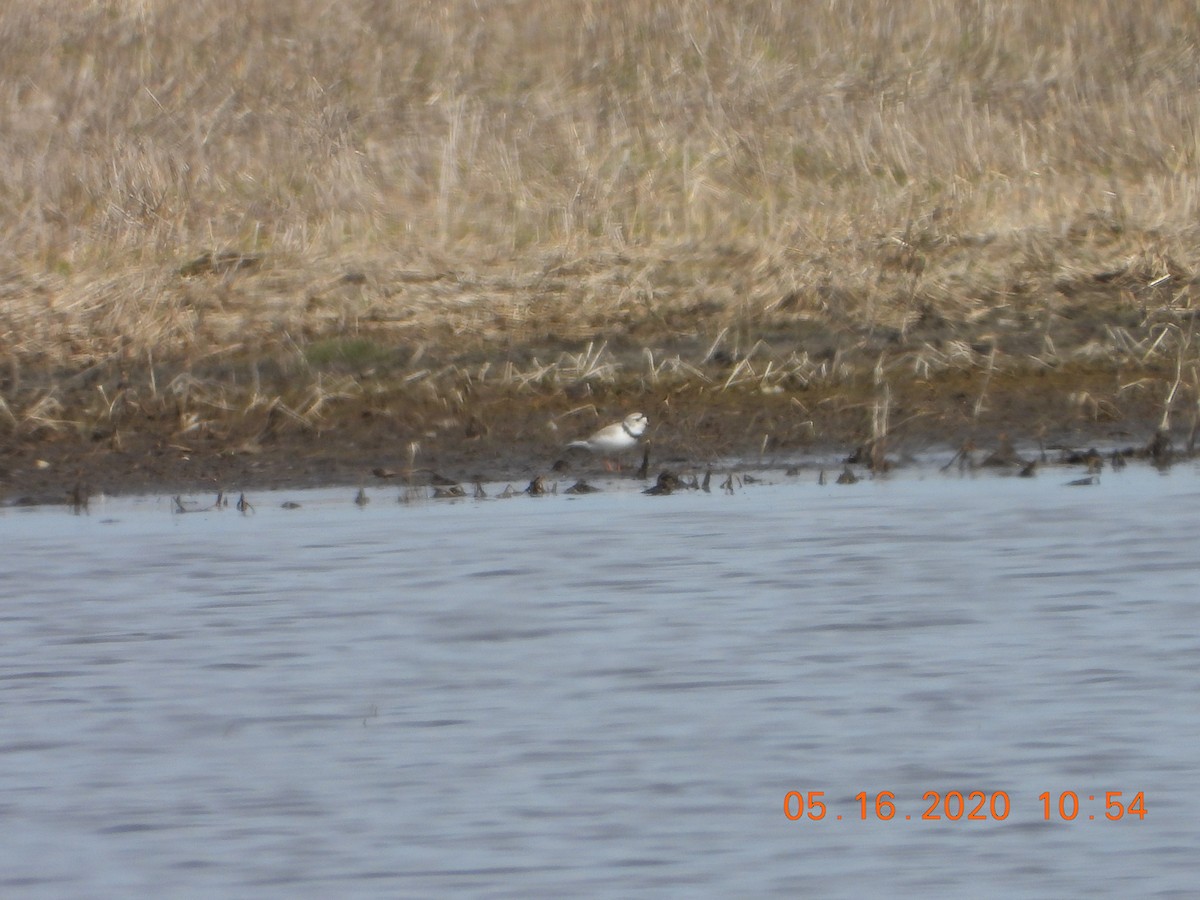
615, 438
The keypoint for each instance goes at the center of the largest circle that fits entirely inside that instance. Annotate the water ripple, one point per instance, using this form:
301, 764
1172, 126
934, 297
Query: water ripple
607, 696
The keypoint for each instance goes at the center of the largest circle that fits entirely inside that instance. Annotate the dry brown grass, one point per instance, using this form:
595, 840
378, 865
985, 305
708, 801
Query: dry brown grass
527, 193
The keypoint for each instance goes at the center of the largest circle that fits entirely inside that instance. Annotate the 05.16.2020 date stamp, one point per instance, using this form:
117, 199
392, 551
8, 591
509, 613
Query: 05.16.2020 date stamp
968, 806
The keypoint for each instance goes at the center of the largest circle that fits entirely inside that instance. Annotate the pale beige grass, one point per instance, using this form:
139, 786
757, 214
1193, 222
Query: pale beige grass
459, 177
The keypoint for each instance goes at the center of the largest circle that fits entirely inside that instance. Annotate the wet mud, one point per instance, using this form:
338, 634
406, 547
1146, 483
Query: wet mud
511, 434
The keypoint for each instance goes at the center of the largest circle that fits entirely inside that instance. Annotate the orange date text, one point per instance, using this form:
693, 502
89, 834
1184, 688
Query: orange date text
967, 806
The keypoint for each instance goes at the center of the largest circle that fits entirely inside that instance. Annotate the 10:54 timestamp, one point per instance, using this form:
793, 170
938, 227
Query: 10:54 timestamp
972, 806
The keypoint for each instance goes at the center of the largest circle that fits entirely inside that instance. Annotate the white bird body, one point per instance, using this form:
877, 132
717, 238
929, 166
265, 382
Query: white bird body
615, 438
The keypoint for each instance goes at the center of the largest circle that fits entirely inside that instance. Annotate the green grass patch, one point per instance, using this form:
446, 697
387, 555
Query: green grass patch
346, 354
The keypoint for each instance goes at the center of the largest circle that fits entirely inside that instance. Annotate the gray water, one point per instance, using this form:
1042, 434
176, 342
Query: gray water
605, 695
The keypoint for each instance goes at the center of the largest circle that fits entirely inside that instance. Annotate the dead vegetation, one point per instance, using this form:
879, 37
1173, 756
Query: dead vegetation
233, 223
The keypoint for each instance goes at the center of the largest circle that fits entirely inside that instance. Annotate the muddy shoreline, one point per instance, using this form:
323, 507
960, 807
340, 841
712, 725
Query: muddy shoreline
513, 435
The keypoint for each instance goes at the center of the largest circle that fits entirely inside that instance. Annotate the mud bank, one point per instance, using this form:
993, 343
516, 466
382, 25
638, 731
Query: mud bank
493, 434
